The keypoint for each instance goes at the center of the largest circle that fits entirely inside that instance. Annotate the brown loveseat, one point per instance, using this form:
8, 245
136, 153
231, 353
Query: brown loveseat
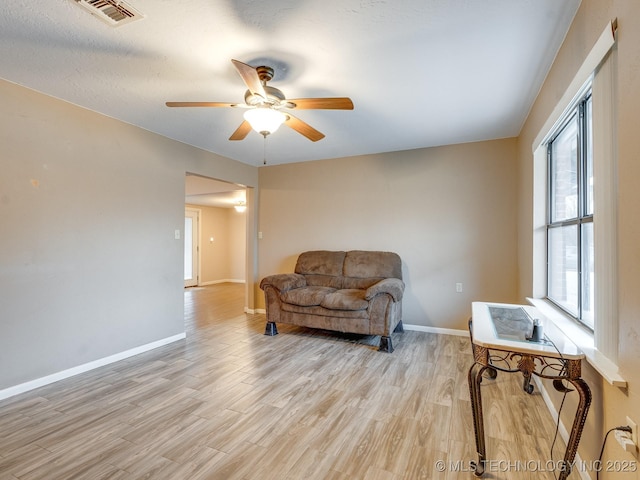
355, 292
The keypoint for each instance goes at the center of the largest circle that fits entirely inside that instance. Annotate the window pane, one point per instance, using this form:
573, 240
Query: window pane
570, 244
588, 290
564, 173
563, 267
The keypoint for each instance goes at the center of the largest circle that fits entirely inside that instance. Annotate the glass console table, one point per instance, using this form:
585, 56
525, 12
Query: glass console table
499, 340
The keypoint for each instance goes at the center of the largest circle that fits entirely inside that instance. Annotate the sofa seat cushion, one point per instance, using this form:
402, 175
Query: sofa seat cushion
306, 296
347, 299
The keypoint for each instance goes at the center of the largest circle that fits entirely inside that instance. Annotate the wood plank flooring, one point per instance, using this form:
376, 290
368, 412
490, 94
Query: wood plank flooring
230, 403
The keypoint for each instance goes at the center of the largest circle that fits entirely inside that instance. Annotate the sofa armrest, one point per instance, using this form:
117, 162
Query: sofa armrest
284, 281
391, 286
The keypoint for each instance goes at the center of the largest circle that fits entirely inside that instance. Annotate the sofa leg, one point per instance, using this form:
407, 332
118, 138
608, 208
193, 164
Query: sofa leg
399, 327
386, 345
271, 329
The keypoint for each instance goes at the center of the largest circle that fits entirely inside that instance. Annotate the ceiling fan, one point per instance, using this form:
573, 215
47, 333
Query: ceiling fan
264, 105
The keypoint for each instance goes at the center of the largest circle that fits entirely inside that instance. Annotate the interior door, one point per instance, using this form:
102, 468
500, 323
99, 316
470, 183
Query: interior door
191, 246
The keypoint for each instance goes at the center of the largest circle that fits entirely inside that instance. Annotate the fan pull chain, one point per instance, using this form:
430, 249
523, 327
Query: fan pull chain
264, 151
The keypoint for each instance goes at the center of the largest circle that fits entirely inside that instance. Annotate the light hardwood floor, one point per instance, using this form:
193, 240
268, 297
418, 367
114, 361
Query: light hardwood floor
231, 403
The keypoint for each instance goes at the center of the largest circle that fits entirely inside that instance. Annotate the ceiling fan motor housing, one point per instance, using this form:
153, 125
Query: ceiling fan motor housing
264, 73
274, 97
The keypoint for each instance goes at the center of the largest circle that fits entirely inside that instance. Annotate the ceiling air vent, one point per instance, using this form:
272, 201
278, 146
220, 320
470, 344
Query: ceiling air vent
113, 12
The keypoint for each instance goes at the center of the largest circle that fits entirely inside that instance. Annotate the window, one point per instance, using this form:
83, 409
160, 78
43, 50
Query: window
570, 253
575, 262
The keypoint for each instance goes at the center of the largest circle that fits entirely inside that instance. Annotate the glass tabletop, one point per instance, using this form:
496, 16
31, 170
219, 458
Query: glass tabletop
512, 323
504, 326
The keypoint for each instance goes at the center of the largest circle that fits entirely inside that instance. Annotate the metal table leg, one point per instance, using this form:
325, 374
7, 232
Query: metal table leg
475, 378
578, 424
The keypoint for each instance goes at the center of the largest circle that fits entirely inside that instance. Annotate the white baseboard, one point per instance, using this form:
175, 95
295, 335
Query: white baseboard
442, 331
41, 382
562, 430
224, 280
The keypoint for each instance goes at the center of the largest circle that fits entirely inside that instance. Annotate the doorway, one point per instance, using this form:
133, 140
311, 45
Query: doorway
223, 225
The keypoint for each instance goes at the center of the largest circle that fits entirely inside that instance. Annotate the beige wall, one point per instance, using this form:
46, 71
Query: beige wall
89, 266
237, 247
449, 212
611, 405
224, 259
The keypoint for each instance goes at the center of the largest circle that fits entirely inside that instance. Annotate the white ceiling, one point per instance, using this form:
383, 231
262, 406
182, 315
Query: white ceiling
420, 72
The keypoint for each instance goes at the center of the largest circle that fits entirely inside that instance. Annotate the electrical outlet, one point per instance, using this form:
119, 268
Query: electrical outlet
634, 433
624, 439
459, 287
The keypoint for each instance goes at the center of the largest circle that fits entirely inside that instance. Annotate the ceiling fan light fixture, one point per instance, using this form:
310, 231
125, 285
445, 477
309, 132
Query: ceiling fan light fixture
264, 120
264, 103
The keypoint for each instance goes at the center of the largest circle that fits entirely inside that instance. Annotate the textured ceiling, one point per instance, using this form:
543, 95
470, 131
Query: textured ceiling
420, 72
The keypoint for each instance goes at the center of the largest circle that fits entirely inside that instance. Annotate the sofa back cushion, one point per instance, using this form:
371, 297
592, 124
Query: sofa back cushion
352, 269
321, 268
364, 268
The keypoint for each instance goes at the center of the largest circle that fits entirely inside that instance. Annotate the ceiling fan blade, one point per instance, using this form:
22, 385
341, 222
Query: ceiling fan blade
336, 103
201, 104
303, 128
241, 132
250, 77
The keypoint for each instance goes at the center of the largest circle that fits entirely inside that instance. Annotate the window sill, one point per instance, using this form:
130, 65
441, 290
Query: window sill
583, 339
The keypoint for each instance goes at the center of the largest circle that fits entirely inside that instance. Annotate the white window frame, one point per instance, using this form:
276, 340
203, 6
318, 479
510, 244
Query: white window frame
601, 345
576, 113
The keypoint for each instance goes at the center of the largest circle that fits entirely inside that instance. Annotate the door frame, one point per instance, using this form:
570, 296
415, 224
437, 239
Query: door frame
195, 246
